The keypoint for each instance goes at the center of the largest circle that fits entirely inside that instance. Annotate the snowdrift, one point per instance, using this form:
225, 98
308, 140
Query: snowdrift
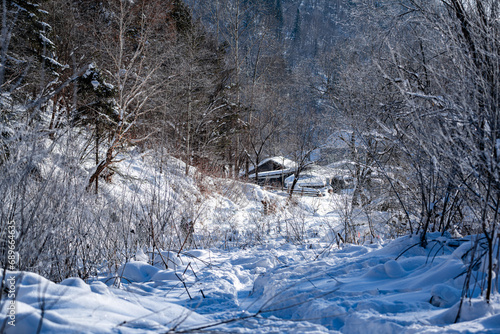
248, 270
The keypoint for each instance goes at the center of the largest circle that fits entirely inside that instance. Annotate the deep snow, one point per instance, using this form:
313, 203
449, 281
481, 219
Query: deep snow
294, 277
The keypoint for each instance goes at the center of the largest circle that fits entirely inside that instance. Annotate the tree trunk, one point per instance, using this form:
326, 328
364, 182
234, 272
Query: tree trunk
97, 155
100, 168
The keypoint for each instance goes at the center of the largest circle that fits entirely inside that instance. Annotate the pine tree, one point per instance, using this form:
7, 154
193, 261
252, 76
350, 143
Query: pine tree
182, 17
296, 32
25, 45
279, 18
96, 108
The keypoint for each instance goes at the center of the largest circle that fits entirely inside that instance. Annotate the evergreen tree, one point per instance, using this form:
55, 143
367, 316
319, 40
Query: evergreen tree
24, 43
95, 103
279, 18
96, 108
182, 17
296, 32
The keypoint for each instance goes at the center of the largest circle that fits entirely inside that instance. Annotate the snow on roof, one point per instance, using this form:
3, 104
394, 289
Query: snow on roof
313, 177
308, 180
287, 163
279, 160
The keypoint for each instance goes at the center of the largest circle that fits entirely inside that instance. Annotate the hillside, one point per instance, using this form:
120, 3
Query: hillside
247, 272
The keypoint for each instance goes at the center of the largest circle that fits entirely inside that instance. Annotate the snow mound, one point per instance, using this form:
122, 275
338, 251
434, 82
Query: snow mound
393, 269
75, 307
137, 271
444, 295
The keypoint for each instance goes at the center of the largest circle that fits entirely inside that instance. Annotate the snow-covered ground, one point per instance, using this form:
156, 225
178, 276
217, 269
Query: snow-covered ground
281, 272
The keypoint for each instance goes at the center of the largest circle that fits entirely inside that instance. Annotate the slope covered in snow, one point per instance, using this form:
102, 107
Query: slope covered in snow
286, 271
274, 287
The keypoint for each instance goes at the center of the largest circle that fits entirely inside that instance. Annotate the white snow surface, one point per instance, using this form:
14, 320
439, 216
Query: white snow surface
293, 278
288, 165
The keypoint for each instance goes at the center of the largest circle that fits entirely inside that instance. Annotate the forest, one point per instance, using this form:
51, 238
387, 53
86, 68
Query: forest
127, 125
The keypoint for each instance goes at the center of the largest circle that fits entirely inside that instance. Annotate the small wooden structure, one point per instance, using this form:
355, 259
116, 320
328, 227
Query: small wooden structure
272, 171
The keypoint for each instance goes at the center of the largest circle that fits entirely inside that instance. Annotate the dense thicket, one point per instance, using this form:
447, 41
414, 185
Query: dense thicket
424, 80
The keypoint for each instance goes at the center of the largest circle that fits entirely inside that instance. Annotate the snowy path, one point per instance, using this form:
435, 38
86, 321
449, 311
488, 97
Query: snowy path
272, 288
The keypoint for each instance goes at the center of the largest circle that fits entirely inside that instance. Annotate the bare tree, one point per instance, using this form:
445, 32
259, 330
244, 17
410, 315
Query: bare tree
302, 139
266, 97
465, 104
131, 49
439, 62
